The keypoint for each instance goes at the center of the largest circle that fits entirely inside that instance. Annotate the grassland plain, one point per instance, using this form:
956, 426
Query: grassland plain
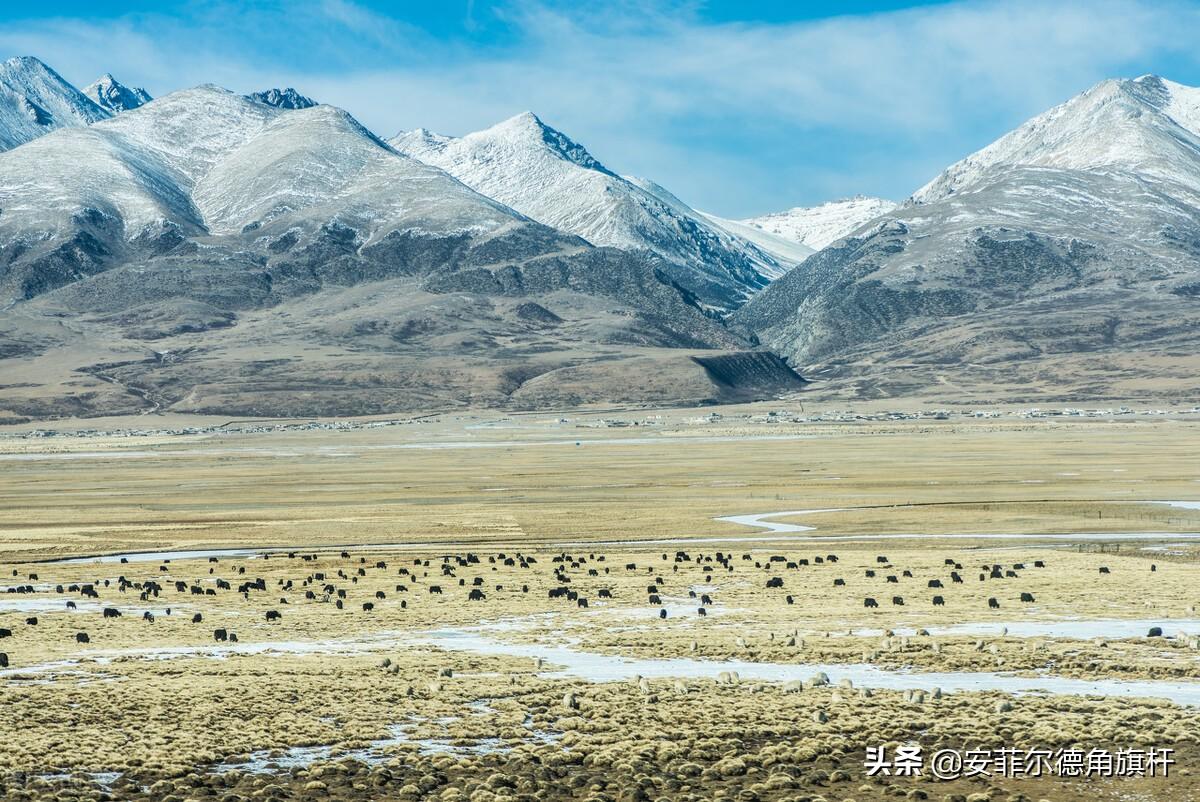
526, 695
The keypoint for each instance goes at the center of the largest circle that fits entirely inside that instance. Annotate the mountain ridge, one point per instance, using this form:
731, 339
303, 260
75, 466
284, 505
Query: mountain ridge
1147, 124
1059, 261
548, 177
208, 253
283, 98
818, 226
110, 94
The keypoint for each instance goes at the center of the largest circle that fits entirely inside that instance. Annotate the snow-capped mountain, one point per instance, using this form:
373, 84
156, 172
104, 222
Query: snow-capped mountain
283, 98
1062, 259
110, 94
1149, 126
35, 100
215, 253
817, 226
207, 161
282, 259
542, 173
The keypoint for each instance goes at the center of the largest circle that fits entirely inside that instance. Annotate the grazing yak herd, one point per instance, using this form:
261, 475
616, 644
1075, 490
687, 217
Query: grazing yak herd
566, 574
987, 572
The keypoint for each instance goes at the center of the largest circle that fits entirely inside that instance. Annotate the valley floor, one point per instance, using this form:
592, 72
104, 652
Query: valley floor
1074, 626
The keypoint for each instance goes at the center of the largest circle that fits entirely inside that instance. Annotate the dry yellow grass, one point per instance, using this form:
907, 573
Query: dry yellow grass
164, 724
530, 483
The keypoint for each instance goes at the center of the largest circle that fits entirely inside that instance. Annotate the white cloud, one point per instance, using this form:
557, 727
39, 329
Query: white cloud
648, 89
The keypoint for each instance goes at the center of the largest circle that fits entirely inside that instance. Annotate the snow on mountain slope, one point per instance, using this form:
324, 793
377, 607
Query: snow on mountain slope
785, 253
211, 170
211, 161
283, 98
781, 256
520, 163
420, 143
785, 250
322, 161
1149, 126
192, 129
817, 226
113, 96
138, 168
543, 174
48, 183
35, 100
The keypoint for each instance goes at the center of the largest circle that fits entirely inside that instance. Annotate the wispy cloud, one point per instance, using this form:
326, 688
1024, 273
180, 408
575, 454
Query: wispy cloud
738, 117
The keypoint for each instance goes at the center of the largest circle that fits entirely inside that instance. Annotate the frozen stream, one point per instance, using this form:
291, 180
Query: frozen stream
572, 663
1112, 628
759, 520
1183, 505
378, 752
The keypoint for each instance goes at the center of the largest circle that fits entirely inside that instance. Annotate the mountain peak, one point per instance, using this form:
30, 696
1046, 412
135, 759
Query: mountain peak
283, 98
26, 70
35, 99
527, 127
525, 118
545, 175
1146, 125
26, 64
110, 94
419, 142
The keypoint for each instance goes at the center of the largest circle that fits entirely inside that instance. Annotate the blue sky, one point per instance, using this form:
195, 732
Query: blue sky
738, 107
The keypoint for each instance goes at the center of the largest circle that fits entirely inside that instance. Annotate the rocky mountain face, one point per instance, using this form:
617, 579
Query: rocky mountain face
111, 95
772, 256
35, 100
1061, 261
543, 174
206, 252
283, 99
